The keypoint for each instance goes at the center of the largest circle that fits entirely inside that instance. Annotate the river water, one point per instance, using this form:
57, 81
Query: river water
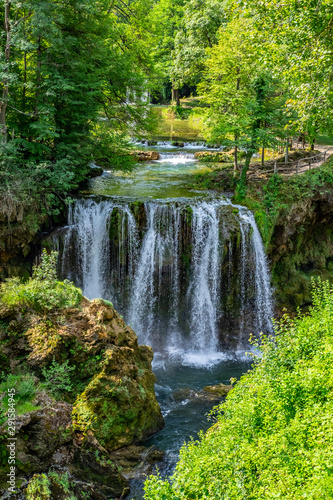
186, 268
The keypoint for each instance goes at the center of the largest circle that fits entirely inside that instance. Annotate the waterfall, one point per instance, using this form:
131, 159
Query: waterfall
186, 274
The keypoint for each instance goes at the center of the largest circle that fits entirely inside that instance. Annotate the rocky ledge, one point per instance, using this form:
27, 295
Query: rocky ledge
145, 155
74, 438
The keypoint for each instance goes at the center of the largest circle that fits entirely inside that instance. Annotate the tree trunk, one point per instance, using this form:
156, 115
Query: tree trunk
242, 183
5, 92
263, 157
177, 97
286, 156
236, 135
236, 155
38, 76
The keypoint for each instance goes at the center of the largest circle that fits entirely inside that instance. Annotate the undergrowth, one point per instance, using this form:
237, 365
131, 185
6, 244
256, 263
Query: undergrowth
42, 292
273, 437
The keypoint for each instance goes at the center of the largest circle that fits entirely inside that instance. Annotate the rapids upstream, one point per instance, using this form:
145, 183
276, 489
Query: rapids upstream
187, 270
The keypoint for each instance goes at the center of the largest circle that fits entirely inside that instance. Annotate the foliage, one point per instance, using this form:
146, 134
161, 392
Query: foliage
41, 292
68, 67
38, 488
58, 378
299, 51
197, 31
274, 434
25, 390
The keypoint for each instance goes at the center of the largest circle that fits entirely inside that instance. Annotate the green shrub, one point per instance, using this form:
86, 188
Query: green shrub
25, 390
58, 378
274, 434
42, 292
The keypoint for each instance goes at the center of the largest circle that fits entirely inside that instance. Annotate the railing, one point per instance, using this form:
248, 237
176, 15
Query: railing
296, 167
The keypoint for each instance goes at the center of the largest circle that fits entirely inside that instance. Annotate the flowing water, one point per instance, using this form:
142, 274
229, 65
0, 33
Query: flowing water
187, 270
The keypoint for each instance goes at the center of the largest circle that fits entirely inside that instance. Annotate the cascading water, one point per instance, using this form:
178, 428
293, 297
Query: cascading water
186, 269
172, 269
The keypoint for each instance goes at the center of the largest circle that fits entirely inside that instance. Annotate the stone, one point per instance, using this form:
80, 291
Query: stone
145, 155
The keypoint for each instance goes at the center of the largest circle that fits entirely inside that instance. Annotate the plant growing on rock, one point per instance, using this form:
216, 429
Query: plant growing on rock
58, 378
42, 292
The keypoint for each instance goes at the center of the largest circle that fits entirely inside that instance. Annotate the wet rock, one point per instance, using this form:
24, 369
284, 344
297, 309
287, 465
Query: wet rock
137, 461
145, 155
95, 171
217, 391
208, 393
177, 144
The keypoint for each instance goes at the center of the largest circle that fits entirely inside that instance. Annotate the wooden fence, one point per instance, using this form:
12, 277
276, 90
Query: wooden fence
297, 167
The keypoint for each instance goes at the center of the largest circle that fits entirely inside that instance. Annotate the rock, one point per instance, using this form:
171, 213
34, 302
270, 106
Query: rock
137, 461
95, 171
119, 404
41, 432
177, 144
208, 393
145, 155
217, 391
212, 156
151, 143
112, 402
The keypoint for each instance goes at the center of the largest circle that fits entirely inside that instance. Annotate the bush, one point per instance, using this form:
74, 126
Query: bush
25, 391
274, 434
58, 378
42, 292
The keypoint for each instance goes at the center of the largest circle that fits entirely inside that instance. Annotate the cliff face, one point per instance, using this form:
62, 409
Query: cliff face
301, 248
71, 429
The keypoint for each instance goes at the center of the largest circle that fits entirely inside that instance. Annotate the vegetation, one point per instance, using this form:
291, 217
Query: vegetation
65, 67
42, 292
273, 437
25, 391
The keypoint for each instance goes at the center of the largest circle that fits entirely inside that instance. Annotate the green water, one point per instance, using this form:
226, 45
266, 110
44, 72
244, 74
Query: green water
160, 179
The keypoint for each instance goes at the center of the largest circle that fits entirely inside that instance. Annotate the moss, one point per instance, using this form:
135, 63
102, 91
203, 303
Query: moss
115, 225
119, 404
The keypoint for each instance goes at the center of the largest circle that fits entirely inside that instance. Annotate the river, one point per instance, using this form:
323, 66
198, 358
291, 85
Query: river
186, 268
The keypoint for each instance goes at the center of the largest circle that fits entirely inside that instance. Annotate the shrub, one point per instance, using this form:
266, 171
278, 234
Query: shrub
41, 292
58, 378
25, 391
274, 434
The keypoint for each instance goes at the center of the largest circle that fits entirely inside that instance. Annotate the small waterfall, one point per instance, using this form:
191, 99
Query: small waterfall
186, 274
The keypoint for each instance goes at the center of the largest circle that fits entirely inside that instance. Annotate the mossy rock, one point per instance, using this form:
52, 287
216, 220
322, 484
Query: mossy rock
119, 405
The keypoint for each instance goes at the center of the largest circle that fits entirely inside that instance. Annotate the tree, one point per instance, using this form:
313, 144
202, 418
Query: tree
198, 30
300, 36
246, 102
65, 65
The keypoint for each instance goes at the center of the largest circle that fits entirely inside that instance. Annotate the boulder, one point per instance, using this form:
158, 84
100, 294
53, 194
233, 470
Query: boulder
145, 155
110, 405
208, 393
